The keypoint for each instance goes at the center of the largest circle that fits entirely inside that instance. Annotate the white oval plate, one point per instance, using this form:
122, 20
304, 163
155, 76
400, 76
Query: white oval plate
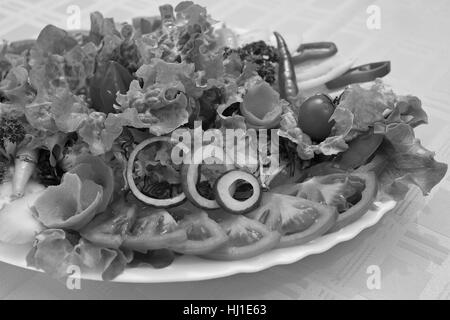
189, 268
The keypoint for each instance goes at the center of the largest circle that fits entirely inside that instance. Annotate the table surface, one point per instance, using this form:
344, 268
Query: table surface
410, 247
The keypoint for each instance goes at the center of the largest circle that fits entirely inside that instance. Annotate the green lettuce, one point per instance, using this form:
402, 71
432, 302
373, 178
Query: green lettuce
407, 162
15, 87
367, 106
306, 149
161, 105
56, 252
70, 205
99, 131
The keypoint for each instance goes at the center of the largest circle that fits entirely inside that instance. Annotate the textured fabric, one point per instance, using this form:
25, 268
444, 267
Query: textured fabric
410, 246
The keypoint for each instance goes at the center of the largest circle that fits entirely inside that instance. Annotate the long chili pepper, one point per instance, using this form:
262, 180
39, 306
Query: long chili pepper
286, 73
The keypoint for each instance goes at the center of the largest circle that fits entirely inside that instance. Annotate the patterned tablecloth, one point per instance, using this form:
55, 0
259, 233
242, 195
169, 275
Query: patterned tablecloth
409, 248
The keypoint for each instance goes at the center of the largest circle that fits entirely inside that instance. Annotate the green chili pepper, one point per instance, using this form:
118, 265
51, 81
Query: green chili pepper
287, 81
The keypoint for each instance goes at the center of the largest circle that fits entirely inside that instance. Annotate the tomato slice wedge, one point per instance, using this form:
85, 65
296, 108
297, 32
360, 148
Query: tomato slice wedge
203, 234
109, 228
246, 238
156, 229
298, 220
360, 200
351, 193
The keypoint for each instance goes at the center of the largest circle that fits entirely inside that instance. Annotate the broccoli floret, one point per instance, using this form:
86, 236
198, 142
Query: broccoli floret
4, 168
259, 49
11, 131
263, 55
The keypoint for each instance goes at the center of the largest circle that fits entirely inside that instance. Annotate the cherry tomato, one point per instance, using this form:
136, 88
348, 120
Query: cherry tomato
314, 117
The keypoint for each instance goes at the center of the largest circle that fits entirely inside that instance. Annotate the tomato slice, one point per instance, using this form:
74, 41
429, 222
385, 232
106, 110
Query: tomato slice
157, 229
351, 193
298, 220
108, 229
360, 200
246, 238
203, 234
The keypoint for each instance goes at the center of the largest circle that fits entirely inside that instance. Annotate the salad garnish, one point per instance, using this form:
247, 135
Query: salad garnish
120, 146
225, 191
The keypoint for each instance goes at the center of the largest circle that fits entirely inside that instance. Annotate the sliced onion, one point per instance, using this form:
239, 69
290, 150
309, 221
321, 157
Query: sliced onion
225, 186
190, 174
160, 203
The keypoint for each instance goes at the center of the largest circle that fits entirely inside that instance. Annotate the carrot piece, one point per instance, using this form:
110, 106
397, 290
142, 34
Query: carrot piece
24, 166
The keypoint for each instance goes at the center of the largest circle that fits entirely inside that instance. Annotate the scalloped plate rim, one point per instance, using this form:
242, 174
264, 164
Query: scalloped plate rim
188, 268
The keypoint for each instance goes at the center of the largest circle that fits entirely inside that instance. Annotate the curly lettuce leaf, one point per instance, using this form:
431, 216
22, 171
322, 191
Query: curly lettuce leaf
408, 109
63, 111
376, 104
194, 32
15, 87
79, 66
93, 168
47, 60
101, 27
305, 148
55, 251
367, 105
70, 205
99, 131
407, 162
68, 110
162, 104
161, 72
159, 116
149, 47
54, 40
51, 253
58, 61
39, 116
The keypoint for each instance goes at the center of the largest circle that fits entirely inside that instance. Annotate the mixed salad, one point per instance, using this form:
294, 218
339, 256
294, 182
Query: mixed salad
87, 171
